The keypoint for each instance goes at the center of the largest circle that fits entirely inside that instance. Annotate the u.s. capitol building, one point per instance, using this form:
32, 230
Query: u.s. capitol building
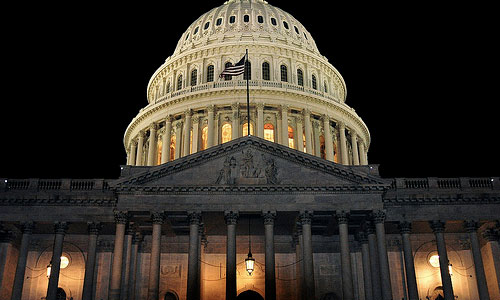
199, 201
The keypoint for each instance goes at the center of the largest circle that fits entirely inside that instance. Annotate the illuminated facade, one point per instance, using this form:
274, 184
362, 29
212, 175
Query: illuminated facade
196, 194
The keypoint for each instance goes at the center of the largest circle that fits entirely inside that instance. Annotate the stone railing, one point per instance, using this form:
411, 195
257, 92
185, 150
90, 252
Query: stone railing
35, 184
460, 183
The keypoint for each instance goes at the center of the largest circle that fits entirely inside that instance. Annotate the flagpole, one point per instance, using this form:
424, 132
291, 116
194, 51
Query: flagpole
248, 93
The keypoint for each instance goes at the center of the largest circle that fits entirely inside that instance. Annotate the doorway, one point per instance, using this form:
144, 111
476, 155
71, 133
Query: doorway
249, 295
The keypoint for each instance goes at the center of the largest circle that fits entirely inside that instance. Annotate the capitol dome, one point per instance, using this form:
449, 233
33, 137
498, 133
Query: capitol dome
297, 98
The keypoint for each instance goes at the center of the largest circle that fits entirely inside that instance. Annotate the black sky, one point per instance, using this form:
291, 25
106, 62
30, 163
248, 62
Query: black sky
422, 76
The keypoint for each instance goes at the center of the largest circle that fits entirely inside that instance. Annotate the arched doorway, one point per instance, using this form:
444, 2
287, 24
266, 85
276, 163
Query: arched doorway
249, 295
171, 296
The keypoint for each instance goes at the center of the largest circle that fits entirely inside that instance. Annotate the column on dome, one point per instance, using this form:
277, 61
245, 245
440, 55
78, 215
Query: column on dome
365, 256
231, 218
140, 146
308, 131
165, 145
355, 152
133, 153
154, 266
328, 138
187, 133
309, 285
196, 127
60, 231
121, 219
345, 255
193, 252
317, 145
211, 126
235, 126
491, 254
178, 139
260, 120
438, 229
343, 144
270, 276
471, 227
374, 262
27, 230
362, 152
385, 276
411, 279
284, 125
152, 145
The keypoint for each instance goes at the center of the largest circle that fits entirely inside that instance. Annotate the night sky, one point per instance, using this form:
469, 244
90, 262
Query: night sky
423, 78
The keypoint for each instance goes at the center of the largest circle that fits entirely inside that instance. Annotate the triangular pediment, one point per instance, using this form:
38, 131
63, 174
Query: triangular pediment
247, 161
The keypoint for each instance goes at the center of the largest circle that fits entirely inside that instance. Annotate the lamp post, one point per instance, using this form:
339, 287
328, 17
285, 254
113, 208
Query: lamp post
249, 261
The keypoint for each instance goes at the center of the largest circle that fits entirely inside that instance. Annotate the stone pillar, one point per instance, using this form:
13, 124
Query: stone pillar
367, 274
284, 125
308, 131
196, 125
385, 277
297, 240
187, 133
154, 267
411, 279
129, 233
328, 138
60, 231
235, 126
345, 255
178, 139
140, 146
362, 152
88, 281
231, 221
167, 136
17, 289
192, 280
374, 264
260, 120
211, 127
491, 252
136, 239
305, 220
343, 144
133, 153
355, 152
482, 287
202, 244
438, 229
121, 219
270, 277
152, 145
6, 247
317, 147
300, 133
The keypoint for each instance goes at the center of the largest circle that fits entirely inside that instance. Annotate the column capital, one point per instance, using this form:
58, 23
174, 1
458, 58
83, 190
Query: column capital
340, 125
342, 217
153, 127
306, 217
169, 119
470, 225
404, 227
94, 227
121, 217
137, 238
307, 112
437, 226
27, 227
178, 125
231, 217
187, 112
211, 108
235, 106
194, 217
285, 107
370, 228
299, 119
378, 216
325, 118
195, 119
260, 105
60, 227
353, 134
7, 236
269, 217
490, 235
315, 124
158, 217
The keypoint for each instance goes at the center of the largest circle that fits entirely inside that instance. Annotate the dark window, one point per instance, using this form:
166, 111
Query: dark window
273, 21
232, 19
284, 73
246, 18
179, 82
196, 30
305, 35
194, 75
314, 84
296, 29
300, 77
265, 71
187, 36
168, 87
228, 77
210, 73
248, 71
260, 19
285, 24
218, 22
326, 88
206, 25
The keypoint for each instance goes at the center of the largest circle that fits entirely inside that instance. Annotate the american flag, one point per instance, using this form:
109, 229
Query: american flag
237, 69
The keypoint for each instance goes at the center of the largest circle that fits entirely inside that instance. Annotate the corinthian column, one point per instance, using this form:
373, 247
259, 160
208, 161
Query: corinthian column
260, 120
355, 153
482, 287
411, 279
192, 280
154, 267
284, 125
211, 128
235, 127
178, 139
196, 125
385, 276
374, 264
88, 280
270, 277
438, 229
362, 152
343, 144
21, 262
367, 274
140, 145
133, 153
345, 255
328, 138
121, 219
187, 133
300, 133
308, 131
231, 220
152, 145
305, 220
165, 146
60, 231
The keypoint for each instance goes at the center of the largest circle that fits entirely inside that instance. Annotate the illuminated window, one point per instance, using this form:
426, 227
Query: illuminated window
284, 73
179, 82
322, 146
204, 138
172, 147
265, 71
158, 151
314, 83
194, 75
335, 153
210, 73
290, 137
191, 141
269, 132
304, 141
300, 77
245, 129
226, 133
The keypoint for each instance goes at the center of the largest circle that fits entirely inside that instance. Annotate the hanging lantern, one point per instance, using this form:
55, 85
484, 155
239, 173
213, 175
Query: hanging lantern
250, 263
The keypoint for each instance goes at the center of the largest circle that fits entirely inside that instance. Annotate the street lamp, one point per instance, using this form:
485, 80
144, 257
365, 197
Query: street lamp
249, 261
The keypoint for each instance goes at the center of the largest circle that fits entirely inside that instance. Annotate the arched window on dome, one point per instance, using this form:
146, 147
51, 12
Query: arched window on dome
269, 132
245, 129
226, 132
265, 71
248, 71
172, 147
228, 77
159, 147
300, 77
291, 143
179, 82
210, 73
325, 87
260, 19
168, 87
232, 19
204, 138
314, 83
322, 146
194, 77
246, 18
284, 73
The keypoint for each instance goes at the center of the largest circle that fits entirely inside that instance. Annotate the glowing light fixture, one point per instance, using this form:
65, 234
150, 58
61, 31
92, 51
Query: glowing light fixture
64, 264
434, 261
249, 261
